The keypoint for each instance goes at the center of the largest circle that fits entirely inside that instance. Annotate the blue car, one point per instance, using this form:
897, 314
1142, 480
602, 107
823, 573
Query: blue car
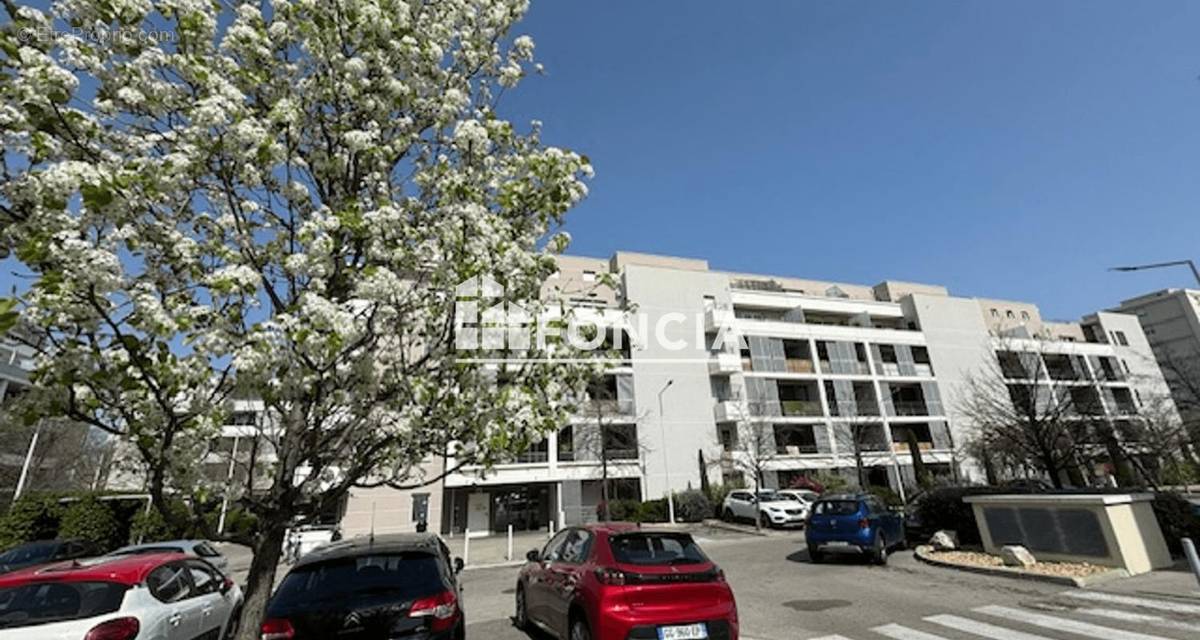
854, 522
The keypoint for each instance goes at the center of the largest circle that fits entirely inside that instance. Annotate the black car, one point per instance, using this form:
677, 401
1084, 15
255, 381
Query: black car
45, 551
393, 586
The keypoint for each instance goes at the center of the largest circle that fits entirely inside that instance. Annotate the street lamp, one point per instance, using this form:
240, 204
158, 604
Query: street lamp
1158, 265
666, 465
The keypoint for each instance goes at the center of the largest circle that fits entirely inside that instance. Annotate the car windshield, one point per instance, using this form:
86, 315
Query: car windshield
656, 548
35, 552
768, 496
788, 496
406, 575
44, 602
141, 551
836, 508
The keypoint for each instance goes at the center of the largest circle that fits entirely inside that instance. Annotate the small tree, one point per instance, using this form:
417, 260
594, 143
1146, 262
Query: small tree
754, 452
860, 436
1020, 419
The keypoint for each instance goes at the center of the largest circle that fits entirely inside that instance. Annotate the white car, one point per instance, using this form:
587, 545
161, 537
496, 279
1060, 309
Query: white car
767, 507
160, 596
198, 548
802, 497
301, 541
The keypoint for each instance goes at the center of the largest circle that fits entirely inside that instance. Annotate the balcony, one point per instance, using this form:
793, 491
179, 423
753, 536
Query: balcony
799, 365
801, 408
716, 317
909, 408
730, 411
902, 447
723, 364
797, 449
607, 408
855, 368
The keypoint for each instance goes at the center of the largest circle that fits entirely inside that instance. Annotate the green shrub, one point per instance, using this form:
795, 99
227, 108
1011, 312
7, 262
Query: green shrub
1176, 519
831, 482
28, 519
651, 511
92, 520
889, 497
619, 510
943, 508
717, 492
692, 506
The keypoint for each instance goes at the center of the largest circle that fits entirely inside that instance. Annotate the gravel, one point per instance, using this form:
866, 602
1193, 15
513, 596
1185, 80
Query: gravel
979, 559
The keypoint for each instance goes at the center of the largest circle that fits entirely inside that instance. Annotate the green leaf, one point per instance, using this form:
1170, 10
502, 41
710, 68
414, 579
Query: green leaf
8, 314
95, 196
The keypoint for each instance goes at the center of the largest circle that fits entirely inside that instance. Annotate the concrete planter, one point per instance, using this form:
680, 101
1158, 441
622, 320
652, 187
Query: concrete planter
1115, 530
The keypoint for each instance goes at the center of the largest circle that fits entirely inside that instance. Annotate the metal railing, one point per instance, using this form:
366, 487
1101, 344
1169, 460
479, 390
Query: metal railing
801, 407
909, 408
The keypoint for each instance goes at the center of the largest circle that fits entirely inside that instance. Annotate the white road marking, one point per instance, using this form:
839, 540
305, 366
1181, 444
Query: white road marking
982, 628
1065, 624
1129, 616
1145, 603
904, 633
831, 638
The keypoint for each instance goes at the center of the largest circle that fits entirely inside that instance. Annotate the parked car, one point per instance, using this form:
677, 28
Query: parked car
197, 548
305, 539
386, 587
802, 497
616, 580
854, 522
161, 596
770, 509
45, 551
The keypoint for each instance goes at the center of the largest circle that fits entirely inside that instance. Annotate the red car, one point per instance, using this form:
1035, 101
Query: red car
616, 581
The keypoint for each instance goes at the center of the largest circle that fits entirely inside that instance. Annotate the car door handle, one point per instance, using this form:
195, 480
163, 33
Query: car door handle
175, 619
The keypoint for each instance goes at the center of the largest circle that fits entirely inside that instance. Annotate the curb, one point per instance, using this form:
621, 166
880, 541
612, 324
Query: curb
922, 551
726, 526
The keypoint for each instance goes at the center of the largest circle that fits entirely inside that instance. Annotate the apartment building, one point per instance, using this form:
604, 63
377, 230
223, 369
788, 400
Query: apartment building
827, 369
1170, 319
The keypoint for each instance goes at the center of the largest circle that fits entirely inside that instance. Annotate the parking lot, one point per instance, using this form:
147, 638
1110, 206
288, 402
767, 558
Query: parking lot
783, 596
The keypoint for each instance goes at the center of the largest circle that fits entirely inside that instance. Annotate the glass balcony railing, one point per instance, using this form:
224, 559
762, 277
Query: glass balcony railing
909, 408
800, 407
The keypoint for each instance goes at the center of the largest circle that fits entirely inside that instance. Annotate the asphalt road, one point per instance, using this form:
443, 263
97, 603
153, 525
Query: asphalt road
783, 596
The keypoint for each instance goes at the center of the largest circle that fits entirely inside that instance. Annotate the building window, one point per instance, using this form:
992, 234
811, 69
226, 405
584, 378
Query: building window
420, 507
1125, 365
1121, 339
995, 313
1010, 315
1024, 315
589, 276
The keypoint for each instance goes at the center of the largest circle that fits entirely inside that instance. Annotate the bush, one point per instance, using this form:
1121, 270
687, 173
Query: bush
651, 511
92, 520
619, 510
717, 493
28, 519
692, 506
831, 482
1176, 519
887, 496
943, 508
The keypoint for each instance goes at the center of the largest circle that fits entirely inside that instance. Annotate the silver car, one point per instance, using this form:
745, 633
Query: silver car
199, 548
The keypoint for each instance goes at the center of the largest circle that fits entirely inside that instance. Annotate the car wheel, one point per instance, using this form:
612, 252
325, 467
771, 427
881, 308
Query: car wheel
814, 554
879, 550
521, 615
764, 520
579, 629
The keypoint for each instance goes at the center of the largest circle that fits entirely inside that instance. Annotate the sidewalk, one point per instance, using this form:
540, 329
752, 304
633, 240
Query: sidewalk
1176, 582
493, 549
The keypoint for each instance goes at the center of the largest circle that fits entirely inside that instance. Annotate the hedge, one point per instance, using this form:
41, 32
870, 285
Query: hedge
92, 520
692, 506
28, 519
1176, 519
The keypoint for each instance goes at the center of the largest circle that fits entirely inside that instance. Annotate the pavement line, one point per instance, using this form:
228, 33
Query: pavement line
835, 637
982, 628
1065, 624
1145, 603
904, 633
1129, 616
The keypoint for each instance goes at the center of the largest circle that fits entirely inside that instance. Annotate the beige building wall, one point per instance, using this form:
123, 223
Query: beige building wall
389, 510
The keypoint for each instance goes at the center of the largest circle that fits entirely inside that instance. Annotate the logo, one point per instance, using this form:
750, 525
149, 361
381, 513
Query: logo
352, 620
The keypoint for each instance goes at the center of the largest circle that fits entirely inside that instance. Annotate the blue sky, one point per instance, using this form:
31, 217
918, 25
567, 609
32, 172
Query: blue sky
1003, 149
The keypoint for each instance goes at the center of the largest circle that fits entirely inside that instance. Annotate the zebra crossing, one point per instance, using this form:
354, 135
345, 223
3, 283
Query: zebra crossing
1071, 615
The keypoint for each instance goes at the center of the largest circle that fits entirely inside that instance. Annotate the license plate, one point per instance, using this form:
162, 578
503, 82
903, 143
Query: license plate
683, 632
837, 543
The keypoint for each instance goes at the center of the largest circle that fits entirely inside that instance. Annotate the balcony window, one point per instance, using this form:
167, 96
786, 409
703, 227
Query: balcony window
1062, 367
791, 439
537, 452
621, 442
1016, 366
1085, 401
799, 399
850, 399
901, 433
797, 356
566, 444
908, 400
728, 436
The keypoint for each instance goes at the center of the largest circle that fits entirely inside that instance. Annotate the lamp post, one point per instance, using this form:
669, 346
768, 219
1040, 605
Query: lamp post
666, 465
1159, 265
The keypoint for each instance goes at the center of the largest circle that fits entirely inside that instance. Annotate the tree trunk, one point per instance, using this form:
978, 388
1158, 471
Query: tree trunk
259, 583
919, 470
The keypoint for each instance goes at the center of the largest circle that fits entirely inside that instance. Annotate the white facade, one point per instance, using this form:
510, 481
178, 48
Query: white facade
816, 363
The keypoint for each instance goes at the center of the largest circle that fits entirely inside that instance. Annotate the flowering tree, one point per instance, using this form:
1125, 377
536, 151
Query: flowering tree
278, 200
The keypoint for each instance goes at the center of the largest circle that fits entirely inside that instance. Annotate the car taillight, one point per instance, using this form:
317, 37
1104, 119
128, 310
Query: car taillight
719, 574
612, 577
277, 629
863, 523
116, 629
443, 608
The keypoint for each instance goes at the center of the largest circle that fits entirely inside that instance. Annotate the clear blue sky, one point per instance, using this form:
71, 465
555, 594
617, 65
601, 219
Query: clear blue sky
1003, 149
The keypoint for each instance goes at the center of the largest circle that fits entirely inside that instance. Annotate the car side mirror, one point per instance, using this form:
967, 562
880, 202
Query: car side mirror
533, 555
226, 586
458, 565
